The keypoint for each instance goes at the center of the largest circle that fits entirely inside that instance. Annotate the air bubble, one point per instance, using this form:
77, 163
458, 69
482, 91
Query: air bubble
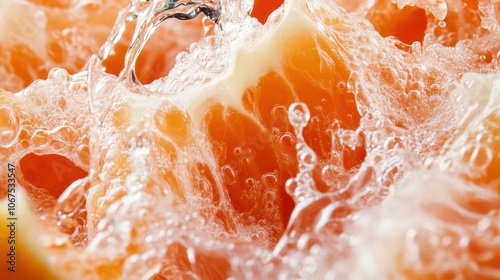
392, 143
276, 132
416, 48
413, 110
302, 186
9, 125
414, 96
291, 186
478, 156
65, 134
287, 141
245, 161
269, 195
237, 152
39, 138
83, 153
442, 23
335, 177
270, 180
180, 57
228, 174
389, 75
250, 182
307, 160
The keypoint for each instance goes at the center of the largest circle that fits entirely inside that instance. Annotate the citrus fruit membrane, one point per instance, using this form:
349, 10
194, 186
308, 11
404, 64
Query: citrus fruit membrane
337, 140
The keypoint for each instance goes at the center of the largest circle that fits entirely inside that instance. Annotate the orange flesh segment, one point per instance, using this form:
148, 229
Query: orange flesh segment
231, 127
24, 256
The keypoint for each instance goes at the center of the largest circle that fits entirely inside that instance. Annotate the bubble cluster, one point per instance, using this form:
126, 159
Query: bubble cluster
302, 186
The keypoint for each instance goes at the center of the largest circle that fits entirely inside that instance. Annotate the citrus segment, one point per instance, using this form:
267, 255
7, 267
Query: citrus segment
263, 8
393, 176
24, 256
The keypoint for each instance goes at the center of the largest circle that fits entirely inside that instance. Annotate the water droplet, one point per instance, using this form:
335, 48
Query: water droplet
269, 205
414, 96
335, 177
269, 195
9, 125
416, 48
299, 114
307, 160
290, 186
180, 57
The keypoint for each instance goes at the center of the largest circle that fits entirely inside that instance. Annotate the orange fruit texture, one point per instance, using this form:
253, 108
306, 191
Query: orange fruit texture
325, 140
38, 35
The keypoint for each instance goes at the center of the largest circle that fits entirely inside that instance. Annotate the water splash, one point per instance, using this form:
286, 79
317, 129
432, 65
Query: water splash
149, 15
